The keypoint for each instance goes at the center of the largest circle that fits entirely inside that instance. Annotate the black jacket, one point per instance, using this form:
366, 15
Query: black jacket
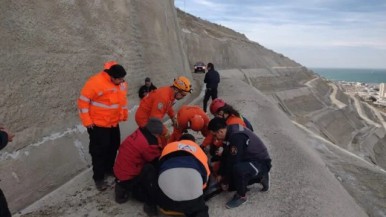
143, 90
212, 78
242, 145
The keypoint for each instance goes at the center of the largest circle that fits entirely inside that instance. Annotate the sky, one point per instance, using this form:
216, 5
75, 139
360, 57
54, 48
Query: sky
314, 33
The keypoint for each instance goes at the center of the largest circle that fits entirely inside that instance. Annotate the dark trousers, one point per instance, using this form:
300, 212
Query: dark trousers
104, 143
4, 211
140, 187
247, 173
191, 208
209, 92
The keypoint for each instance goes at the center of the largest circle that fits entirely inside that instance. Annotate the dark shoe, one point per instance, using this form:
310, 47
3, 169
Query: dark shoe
265, 182
212, 191
110, 172
150, 210
101, 185
236, 201
121, 194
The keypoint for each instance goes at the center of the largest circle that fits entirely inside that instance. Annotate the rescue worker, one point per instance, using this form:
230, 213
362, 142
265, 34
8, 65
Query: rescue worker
161, 101
245, 159
219, 108
134, 168
212, 79
183, 175
190, 117
5, 137
145, 89
102, 105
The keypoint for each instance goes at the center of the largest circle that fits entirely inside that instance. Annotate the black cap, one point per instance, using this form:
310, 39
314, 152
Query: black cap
147, 79
116, 71
154, 126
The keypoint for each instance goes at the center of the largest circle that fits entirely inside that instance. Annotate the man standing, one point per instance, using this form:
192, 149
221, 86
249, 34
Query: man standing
5, 137
244, 161
212, 78
102, 105
145, 89
161, 101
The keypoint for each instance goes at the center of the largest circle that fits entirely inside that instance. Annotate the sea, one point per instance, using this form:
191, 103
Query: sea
352, 75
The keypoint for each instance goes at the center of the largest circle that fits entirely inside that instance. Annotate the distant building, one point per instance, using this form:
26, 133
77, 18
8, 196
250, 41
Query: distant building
382, 90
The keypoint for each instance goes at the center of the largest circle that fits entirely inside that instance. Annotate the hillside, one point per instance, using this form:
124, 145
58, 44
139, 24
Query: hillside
321, 149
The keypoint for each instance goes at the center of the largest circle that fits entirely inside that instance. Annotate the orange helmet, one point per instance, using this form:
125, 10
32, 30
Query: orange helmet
196, 122
108, 64
182, 83
215, 105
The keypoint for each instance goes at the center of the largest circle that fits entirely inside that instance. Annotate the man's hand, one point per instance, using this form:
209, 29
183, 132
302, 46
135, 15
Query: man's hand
219, 151
175, 122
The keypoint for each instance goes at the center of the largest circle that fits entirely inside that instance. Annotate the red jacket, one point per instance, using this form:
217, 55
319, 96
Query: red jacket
133, 154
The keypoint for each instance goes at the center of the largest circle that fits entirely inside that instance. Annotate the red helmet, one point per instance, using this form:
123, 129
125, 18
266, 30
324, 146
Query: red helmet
196, 123
215, 105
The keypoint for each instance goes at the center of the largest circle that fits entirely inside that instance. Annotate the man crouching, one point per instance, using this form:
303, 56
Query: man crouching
183, 174
244, 161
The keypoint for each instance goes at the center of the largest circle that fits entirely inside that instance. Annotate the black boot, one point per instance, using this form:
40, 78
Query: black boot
265, 182
150, 210
121, 194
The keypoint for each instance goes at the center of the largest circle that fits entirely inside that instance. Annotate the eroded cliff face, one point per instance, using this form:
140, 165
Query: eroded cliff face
227, 49
49, 49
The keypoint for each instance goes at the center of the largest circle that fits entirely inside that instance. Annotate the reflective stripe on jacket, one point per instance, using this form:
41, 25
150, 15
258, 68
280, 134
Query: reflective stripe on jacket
103, 103
193, 149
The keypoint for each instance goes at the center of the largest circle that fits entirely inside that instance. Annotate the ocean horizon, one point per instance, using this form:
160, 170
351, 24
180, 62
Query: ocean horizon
352, 75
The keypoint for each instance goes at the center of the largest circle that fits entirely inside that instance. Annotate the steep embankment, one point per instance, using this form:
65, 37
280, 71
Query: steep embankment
48, 50
209, 42
316, 105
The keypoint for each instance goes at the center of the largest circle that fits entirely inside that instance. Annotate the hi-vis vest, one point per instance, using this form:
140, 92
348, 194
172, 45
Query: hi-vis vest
192, 148
102, 102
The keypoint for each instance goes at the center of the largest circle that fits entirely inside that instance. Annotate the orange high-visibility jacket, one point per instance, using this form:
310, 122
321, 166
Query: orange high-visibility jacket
185, 113
103, 103
232, 119
156, 104
192, 148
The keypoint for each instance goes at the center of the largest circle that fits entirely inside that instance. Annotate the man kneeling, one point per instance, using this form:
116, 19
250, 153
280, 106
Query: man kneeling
244, 161
183, 174
135, 167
